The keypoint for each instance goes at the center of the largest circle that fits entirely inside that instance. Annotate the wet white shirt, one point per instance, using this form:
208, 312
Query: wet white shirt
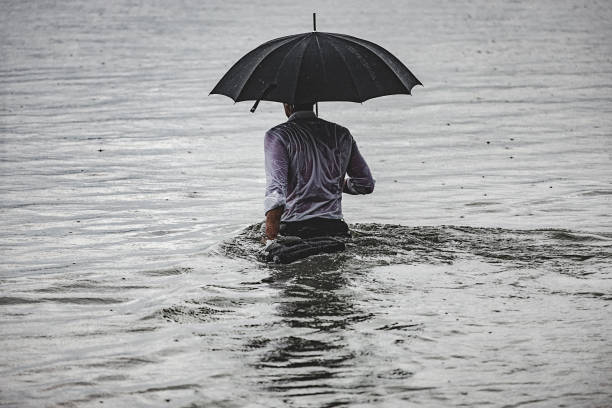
306, 160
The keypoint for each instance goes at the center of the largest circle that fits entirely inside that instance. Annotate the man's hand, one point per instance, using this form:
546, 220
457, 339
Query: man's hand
273, 218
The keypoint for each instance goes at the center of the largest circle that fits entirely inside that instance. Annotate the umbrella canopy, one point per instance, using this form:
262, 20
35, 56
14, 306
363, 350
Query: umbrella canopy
314, 67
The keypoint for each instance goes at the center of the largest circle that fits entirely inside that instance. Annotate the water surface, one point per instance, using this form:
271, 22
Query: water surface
479, 270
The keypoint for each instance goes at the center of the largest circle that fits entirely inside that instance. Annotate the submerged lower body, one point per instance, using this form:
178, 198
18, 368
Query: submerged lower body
315, 227
300, 239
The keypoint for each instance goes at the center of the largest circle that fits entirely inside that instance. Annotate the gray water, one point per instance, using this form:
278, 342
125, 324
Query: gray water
479, 270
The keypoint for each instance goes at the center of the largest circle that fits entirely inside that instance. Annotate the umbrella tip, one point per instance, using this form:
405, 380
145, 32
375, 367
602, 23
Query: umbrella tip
314, 21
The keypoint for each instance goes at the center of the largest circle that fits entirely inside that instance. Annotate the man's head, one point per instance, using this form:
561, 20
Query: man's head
291, 109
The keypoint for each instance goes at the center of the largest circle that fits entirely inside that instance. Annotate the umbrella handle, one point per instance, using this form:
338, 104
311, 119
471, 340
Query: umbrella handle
263, 95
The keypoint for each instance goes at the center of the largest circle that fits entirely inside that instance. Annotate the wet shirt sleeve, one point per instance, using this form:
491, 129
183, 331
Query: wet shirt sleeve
277, 170
359, 180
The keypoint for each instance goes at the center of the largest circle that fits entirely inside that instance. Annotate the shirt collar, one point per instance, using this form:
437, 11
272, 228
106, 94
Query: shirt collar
303, 115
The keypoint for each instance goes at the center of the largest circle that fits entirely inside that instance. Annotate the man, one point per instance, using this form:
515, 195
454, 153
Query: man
306, 161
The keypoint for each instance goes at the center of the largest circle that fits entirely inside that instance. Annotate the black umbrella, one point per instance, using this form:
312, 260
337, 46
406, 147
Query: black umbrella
314, 67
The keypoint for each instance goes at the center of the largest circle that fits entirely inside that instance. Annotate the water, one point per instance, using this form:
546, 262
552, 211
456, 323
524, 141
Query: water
479, 273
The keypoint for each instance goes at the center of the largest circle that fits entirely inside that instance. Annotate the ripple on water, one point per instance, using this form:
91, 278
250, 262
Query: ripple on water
64, 299
167, 272
378, 318
383, 244
190, 314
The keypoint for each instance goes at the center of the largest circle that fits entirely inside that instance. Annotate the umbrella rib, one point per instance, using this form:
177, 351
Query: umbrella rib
248, 77
280, 66
322, 63
333, 43
375, 52
297, 79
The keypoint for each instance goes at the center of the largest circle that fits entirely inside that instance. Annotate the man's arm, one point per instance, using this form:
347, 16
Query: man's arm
277, 170
359, 180
273, 218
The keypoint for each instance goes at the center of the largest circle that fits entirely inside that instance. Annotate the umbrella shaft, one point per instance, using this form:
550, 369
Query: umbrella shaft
314, 28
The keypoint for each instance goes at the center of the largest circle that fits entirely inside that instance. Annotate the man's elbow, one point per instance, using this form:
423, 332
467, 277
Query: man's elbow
366, 188
358, 186
369, 189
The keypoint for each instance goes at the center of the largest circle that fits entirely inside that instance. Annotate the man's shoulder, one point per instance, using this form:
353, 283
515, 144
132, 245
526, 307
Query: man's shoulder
337, 126
289, 126
279, 127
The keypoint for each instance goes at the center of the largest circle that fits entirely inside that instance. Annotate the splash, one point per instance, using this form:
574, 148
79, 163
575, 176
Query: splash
386, 244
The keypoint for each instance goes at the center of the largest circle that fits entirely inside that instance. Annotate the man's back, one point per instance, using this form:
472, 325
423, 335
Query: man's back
306, 162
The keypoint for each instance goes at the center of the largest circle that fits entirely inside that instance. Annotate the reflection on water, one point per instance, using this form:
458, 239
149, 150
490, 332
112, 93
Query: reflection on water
315, 304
